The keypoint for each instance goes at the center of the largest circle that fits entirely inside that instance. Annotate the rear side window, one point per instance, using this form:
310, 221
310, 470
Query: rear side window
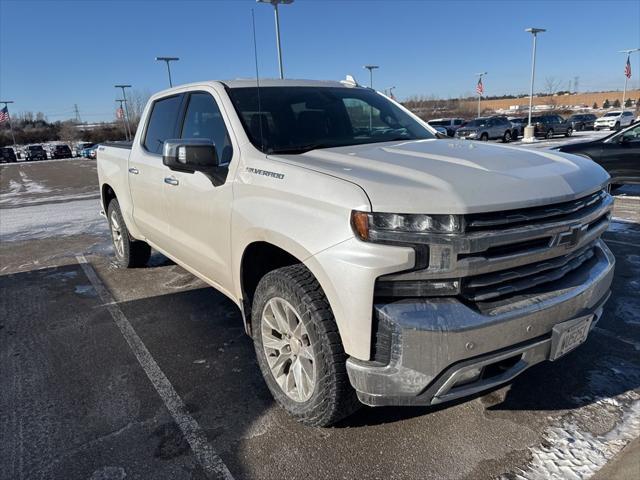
203, 120
162, 123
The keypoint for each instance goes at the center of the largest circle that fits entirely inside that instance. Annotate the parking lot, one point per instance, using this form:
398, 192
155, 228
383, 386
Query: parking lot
108, 373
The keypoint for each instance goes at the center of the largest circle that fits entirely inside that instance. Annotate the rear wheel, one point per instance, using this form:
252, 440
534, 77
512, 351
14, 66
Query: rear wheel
129, 253
549, 134
299, 349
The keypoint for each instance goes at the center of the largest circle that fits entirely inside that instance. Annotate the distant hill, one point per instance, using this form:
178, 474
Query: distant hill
570, 100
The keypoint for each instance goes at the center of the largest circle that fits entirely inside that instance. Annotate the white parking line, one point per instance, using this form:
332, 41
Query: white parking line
212, 464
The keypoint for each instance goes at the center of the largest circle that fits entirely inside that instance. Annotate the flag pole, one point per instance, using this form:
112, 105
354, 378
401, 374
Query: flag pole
626, 78
6, 105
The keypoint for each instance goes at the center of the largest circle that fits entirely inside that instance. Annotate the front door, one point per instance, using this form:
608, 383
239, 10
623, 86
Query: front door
199, 206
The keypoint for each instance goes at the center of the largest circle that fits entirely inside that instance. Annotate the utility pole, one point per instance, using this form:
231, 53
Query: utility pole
627, 74
529, 130
275, 4
167, 60
77, 112
6, 105
576, 79
126, 109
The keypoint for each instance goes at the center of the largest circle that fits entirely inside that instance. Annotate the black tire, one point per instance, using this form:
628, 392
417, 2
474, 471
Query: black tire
332, 398
569, 132
549, 134
506, 138
616, 126
133, 253
484, 137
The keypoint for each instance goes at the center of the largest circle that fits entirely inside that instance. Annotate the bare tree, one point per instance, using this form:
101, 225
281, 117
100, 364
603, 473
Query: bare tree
69, 132
136, 101
551, 85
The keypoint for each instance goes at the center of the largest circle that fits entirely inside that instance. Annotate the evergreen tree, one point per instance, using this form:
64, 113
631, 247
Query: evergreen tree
616, 103
606, 103
627, 103
595, 105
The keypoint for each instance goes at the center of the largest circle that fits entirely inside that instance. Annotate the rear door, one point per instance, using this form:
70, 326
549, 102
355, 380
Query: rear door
199, 206
147, 173
621, 156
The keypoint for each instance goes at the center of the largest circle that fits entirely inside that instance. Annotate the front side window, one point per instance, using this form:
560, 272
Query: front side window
204, 120
162, 123
299, 119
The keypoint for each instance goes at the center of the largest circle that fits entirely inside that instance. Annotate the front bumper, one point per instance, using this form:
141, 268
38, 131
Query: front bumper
436, 342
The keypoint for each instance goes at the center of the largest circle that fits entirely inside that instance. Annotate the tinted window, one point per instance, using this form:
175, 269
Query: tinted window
162, 123
203, 120
458, 122
298, 119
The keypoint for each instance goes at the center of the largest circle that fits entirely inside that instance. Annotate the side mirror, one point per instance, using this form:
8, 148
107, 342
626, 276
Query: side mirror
190, 155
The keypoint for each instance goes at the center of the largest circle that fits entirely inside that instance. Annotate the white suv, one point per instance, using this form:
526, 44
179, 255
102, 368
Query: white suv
614, 120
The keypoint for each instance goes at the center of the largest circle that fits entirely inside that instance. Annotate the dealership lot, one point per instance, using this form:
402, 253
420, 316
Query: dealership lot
109, 374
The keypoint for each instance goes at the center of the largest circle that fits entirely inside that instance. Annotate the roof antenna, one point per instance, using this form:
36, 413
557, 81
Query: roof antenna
255, 55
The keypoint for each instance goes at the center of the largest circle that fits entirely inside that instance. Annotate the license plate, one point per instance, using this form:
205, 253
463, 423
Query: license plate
566, 336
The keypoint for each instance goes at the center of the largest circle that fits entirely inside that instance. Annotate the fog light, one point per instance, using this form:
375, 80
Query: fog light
468, 376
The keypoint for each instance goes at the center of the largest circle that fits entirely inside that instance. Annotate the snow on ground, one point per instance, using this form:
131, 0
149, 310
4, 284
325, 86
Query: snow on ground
52, 220
585, 136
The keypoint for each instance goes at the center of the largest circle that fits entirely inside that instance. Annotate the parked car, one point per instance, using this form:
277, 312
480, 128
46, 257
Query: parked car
517, 126
614, 120
92, 152
486, 128
582, 121
549, 125
60, 151
618, 154
84, 152
428, 274
34, 152
449, 124
80, 146
7, 155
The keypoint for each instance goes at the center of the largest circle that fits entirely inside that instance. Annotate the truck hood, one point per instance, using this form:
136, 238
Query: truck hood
454, 176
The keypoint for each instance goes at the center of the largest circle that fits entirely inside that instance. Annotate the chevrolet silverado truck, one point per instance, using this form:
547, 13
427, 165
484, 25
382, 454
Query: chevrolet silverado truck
371, 262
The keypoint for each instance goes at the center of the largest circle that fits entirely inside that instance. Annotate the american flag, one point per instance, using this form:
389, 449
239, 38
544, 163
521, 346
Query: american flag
4, 115
479, 87
119, 112
627, 68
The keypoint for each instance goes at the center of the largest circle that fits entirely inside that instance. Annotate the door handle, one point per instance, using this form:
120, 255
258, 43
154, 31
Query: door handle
134, 171
171, 181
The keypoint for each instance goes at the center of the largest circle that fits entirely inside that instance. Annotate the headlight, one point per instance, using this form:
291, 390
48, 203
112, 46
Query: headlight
374, 227
473, 134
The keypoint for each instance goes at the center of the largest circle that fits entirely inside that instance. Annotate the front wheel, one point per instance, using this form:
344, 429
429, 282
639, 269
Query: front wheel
549, 134
616, 126
507, 137
569, 132
129, 253
299, 349
484, 137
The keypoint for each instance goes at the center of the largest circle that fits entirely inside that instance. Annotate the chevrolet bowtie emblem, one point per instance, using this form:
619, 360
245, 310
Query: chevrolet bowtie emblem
573, 236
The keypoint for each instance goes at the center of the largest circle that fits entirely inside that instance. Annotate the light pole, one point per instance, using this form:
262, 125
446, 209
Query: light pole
529, 131
480, 89
6, 105
371, 68
627, 77
167, 60
275, 4
126, 109
121, 113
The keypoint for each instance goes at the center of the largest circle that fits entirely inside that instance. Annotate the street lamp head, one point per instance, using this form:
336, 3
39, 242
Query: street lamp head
535, 30
275, 2
167, 59
629, 51
122, 86
371, 67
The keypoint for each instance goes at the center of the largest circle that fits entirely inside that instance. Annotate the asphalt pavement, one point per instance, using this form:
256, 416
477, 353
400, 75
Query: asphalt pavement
108, 373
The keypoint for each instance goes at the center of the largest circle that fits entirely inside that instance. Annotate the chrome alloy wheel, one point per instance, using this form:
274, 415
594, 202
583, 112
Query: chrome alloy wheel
287, 347
116, 235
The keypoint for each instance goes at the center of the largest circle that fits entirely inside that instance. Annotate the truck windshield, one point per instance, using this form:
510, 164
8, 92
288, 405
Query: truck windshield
299, 119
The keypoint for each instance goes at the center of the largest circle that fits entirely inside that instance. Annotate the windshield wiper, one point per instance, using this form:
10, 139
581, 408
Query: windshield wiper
300, 148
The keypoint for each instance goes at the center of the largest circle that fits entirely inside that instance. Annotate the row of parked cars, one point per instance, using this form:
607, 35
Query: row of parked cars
51, 151
510, 128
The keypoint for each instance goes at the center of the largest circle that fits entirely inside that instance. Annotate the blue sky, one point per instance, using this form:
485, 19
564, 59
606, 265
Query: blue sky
54, 54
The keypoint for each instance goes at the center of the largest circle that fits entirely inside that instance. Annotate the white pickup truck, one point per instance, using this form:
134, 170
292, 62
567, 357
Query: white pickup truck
372, 262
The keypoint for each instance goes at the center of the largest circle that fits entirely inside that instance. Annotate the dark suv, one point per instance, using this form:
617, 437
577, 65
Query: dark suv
582, 121
549, 125
60, 151
486, 128
7, 155
35, 152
